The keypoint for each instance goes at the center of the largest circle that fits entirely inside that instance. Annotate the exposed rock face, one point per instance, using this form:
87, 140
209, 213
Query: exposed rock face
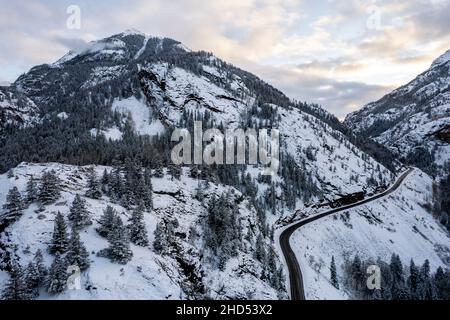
16, 109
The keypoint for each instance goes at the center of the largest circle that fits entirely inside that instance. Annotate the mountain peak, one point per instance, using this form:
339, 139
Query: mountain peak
132, 32
128, 44
442, 59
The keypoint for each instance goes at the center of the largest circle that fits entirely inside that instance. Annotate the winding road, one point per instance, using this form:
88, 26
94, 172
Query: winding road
295, 274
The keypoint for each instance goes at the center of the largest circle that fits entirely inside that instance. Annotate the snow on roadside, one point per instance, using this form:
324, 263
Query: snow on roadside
398, 223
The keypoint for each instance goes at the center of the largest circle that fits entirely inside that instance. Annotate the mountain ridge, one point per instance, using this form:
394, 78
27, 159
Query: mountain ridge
409, 118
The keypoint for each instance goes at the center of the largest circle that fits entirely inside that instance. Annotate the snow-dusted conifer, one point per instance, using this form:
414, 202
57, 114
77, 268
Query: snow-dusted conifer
14, 205
79, 215
333, 274
106, 221
32, 190
60, 239
119, 249
16, 287
77, 254
137, 230
50, 188
57, 276
94, 190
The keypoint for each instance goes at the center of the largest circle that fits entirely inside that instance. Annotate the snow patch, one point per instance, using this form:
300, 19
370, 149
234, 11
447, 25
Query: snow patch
113, 134
63, 115
141, 116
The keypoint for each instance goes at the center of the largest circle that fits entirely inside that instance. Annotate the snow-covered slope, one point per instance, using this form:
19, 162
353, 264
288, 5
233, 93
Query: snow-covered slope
148, 275
159, 84
336, 165
398, 223
413, 116
173, 91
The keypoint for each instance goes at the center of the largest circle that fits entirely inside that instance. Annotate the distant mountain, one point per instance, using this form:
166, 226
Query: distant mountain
414, 120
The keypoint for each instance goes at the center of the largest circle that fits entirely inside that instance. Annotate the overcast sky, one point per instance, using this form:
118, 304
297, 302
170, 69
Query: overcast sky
340, 54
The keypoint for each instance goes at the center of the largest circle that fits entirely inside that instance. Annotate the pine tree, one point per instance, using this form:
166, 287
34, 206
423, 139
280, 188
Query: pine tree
60, 239
144, 189
159, 172
32, 280
16, 287
115, 185
137, 229
222, 230
175, 171
200, 192
357, 273
148, 176
281, 279
119, 249
13, 206
38, 261
133, 185
386, 280
57, 276
107, 221
272, 234
334, 279
160, 243
260, 253
148, 195
441, 283
94, 190
79, 214
272, 268
32, 190
427, 289
399, 290
50, 188
105, 182
77, 254
165, 235
414, 281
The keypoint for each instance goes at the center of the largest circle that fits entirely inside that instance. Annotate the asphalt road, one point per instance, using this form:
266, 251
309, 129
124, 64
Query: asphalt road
295, 274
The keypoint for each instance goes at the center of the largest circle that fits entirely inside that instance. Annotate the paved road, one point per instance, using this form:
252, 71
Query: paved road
295, 274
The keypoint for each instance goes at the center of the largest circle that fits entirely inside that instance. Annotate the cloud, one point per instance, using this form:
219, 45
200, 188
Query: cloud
71, 43
339, 97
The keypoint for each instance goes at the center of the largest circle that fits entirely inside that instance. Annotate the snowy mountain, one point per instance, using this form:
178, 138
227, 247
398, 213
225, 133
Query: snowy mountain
413, 120
160, 84
112, 106
16, 109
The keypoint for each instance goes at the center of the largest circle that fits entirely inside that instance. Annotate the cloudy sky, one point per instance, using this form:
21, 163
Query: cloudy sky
340, 54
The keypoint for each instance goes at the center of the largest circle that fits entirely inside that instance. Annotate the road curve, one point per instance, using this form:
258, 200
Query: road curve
295, 274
